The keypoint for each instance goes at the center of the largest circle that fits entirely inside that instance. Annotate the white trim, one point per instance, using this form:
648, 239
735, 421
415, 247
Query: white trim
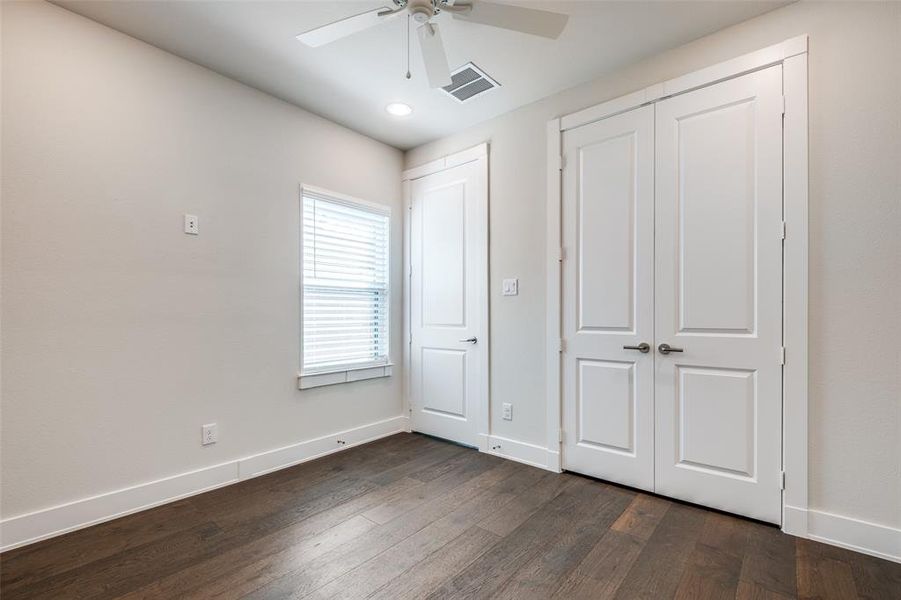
521, 452
306, 381
407, 276
364, 204
854, 534
554, 284
476, 153
50, 522
350, 367
446, 162
794, 519
612, 107
795, 290
287, 456
876, 540
746, 63
480, 153
792, 55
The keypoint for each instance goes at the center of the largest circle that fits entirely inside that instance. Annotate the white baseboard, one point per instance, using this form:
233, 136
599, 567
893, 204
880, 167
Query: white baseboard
529, 454
860, 536
794, 521
42, 524
876, 540
280, 458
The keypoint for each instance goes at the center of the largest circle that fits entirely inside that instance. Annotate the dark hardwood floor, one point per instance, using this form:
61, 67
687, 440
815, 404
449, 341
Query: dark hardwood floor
413, 517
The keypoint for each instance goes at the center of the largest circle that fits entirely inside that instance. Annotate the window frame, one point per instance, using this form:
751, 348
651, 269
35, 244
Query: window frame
334, 374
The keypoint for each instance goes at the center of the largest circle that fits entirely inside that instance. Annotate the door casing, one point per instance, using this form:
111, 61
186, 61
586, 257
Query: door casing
792, 55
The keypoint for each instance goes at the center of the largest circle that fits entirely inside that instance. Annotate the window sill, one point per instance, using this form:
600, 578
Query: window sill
311, 380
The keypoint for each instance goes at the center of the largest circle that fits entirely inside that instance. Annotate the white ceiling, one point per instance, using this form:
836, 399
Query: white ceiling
351, 80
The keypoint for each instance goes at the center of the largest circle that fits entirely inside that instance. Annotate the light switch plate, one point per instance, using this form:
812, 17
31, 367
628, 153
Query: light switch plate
508, 411
511, 287
192, 225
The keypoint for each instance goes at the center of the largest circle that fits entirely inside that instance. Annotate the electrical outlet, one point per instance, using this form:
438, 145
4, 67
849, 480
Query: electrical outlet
192, 225
511, 287
209, 434
508, 411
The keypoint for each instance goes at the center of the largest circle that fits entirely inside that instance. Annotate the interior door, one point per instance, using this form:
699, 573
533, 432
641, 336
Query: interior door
608, 278
718, 295
448, 265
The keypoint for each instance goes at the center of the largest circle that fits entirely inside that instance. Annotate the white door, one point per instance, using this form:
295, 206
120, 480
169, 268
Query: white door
718, 295
608, 278
448, 302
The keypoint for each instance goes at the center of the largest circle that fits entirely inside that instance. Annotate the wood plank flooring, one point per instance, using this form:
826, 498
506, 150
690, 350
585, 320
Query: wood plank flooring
413, 517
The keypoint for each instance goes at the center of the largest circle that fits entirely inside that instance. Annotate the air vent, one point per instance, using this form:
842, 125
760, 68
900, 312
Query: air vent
469, 81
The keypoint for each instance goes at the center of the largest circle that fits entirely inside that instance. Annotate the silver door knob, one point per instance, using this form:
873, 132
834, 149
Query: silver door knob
472, 340
666, 349
643, 347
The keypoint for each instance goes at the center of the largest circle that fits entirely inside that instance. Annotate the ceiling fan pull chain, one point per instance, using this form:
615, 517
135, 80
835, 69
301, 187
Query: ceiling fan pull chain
408, 46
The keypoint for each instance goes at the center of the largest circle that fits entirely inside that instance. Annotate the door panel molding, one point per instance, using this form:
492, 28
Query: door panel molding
618, 410
792, 55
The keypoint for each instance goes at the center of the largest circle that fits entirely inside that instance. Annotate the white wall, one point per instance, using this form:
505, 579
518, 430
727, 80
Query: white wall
121, 334
855, 257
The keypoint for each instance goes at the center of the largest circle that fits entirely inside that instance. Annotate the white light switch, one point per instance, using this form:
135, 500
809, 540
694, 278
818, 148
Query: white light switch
508, 411
192, 225
511, 287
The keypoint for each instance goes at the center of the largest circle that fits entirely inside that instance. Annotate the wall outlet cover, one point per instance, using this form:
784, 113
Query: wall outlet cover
511, 287
209, 434
192, 225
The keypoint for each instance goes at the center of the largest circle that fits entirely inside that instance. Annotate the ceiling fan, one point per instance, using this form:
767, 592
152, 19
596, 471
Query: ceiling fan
516, 18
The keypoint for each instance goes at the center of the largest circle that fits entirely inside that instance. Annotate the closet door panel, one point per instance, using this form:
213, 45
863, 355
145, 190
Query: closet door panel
718, 295
608, 225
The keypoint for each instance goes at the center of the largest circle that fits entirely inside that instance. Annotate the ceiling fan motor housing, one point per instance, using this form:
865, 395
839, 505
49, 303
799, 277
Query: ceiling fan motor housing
421, 10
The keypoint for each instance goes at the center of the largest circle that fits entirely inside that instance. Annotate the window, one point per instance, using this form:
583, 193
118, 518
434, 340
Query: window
344, 324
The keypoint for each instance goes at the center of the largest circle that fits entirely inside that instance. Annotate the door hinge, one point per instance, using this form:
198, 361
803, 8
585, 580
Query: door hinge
562, 347
561, 162
783, 106
782, 355
560, 436
784, 229
782, 481
562, 254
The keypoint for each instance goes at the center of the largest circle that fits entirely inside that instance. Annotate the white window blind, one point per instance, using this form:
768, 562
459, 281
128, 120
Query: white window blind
345, 284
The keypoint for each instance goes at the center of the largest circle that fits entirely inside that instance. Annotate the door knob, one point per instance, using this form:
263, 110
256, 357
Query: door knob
666, 349
643, 347
472, 340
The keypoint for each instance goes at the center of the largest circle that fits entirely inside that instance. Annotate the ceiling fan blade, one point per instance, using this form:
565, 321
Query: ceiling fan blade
436, 68
345, 27
506, 16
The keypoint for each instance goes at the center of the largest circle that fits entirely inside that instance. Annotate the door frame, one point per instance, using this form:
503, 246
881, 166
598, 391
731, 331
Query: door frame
792, 55
478, 154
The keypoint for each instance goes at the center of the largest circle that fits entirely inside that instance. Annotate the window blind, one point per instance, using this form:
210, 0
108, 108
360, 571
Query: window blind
345, 284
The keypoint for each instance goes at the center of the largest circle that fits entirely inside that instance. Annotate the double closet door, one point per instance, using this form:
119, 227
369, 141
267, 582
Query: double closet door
672, 297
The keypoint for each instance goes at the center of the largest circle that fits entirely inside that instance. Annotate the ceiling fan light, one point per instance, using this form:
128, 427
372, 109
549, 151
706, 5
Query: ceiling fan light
399, 109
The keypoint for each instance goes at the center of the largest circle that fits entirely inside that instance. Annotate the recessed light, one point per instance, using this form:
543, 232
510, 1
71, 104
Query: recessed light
399, 109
